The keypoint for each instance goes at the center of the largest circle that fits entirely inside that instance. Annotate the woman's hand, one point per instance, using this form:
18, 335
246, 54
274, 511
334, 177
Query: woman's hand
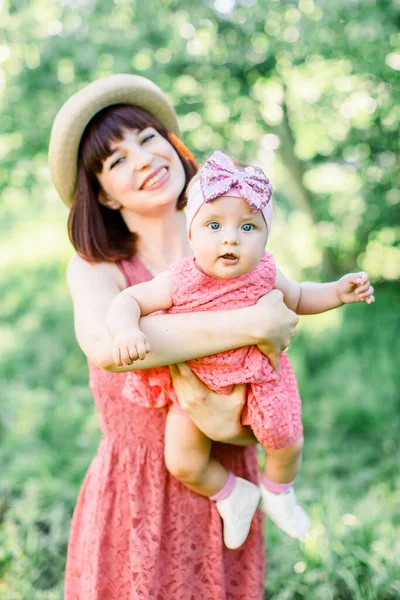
216, 415
277, 326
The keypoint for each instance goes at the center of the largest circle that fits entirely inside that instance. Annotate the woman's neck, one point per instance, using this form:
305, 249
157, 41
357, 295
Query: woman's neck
161, 239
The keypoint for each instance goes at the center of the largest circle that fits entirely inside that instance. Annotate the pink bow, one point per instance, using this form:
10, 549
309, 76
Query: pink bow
219, 175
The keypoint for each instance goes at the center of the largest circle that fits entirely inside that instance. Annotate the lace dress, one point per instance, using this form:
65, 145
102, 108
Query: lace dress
273, 408
139, 534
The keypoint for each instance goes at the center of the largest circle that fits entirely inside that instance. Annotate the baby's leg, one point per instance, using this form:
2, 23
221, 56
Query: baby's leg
188, 456
283, 464
279, 500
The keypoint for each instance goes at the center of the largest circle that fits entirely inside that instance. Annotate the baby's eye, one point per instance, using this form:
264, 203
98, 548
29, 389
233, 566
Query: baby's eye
214, 225
248, 227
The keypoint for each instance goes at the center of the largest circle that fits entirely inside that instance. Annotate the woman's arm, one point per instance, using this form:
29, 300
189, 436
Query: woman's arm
172, 338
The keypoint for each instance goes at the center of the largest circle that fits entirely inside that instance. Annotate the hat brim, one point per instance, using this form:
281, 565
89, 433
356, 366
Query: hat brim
75, 114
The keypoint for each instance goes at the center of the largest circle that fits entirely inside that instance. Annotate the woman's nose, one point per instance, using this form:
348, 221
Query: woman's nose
142, 159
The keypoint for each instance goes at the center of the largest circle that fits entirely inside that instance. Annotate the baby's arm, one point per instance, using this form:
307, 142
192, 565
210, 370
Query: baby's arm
310, 298
125, 311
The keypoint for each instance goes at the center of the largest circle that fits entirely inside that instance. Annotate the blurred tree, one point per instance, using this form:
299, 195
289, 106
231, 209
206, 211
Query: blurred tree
312, 83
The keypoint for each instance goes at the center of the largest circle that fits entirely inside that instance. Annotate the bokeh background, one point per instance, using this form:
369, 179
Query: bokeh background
309, 90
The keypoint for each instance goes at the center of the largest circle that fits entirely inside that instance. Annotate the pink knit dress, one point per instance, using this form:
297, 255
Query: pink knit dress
273, 408
139, 534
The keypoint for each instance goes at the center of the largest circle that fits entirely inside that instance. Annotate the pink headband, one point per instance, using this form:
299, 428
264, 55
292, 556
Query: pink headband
220, 177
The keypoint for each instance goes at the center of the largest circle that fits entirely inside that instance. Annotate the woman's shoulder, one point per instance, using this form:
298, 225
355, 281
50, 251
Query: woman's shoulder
80, 271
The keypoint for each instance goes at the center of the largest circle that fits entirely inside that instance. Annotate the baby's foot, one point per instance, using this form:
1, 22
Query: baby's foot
284, 510
237, 511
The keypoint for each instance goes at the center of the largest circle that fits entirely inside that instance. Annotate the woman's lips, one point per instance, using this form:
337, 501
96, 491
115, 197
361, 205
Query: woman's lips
156, 180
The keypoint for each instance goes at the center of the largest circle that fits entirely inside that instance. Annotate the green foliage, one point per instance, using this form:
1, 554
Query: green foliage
350, 477
48, 431
306, 88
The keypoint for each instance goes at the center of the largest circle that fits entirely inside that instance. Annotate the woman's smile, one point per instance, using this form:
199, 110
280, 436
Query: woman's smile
156, 179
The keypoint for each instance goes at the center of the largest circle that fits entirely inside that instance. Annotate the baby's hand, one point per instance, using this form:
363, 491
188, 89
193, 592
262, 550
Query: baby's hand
355, 287
130, 346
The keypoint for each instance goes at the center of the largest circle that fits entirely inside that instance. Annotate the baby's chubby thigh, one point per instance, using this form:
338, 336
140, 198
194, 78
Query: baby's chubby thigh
187, 449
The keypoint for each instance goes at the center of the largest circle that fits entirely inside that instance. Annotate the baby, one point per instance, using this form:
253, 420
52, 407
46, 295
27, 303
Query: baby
229, 218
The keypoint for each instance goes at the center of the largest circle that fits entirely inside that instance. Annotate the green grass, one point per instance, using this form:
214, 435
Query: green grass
349, 382
350, 481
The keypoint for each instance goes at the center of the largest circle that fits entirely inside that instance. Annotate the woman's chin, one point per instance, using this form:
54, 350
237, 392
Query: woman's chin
151, 209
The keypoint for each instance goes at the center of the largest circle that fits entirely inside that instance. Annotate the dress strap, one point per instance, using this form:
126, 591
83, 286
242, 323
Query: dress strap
134, 271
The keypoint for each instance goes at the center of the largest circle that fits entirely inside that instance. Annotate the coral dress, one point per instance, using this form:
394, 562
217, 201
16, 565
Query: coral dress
273, 407
139, 534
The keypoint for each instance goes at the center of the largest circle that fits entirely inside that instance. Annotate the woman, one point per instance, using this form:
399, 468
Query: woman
137, 533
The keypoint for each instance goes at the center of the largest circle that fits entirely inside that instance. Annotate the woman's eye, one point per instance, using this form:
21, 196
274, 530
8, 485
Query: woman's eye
147, 138
116, 162
248, 227
214, 225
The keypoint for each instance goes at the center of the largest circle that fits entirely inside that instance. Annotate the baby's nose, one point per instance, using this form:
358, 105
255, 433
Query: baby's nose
231, 238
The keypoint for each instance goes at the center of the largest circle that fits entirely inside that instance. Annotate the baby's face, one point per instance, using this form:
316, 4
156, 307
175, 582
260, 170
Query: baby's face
228, 239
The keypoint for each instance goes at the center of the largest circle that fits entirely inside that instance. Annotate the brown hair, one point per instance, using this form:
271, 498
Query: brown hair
98, 233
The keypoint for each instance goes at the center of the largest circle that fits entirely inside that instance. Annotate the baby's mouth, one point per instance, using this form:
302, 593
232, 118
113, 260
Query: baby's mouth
229, 257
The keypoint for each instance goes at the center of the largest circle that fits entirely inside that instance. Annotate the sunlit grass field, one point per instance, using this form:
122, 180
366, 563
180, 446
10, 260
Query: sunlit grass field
349, 378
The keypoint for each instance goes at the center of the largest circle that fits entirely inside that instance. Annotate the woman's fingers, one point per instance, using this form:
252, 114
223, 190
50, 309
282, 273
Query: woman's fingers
272, 352
173, 369
190, 377
274, 360
188, 387
239, 394
184, 370
280, 323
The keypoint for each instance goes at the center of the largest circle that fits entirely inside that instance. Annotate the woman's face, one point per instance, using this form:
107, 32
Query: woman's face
142, 174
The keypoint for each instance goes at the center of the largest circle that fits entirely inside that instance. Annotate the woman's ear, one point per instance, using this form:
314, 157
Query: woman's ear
107, 201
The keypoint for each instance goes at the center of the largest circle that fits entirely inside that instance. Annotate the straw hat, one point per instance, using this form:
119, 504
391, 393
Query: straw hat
76, 113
